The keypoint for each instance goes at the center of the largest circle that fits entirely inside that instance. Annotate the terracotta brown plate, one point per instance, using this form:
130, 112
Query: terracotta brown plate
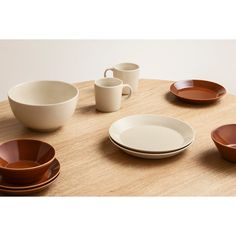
30, 191
50, 175
197, 91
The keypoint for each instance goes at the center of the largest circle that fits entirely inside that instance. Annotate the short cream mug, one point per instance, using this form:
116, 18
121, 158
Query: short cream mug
128, 73
108, 94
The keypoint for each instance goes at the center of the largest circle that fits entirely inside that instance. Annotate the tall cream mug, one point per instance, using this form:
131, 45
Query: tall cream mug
128, 72
108, 94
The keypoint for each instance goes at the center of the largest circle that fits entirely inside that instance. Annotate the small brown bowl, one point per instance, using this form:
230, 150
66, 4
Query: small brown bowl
224, 138
24, 161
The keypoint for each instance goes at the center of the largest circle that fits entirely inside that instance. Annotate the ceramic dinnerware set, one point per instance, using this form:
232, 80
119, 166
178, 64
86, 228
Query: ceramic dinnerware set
204, 92
155, 136
28, 166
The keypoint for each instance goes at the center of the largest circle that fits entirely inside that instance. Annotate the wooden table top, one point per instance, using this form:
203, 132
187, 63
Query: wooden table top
92, 166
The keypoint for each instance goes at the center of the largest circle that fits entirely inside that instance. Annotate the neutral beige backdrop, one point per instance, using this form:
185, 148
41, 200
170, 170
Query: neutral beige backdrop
80, 60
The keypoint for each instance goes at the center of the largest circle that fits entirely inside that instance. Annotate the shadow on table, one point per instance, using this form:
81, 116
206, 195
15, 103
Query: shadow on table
9, 123
174, 100
13, 129
211, 159
89, 109
117, 156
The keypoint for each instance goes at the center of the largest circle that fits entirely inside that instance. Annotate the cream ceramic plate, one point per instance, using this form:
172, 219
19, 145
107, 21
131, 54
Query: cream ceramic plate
151, 133
149, 155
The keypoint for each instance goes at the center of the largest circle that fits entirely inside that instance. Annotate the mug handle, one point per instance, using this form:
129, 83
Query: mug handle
130, 90
105, 72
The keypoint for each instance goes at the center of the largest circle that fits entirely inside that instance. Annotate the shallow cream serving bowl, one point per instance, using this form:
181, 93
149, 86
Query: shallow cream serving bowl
43, 105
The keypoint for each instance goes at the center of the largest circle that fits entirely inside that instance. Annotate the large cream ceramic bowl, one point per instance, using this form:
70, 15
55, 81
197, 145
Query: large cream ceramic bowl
43, 105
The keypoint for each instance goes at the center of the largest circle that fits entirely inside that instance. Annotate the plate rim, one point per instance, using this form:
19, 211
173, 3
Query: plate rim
150, 155
198, 100
34, 185
30, 190
147, 153
154, 115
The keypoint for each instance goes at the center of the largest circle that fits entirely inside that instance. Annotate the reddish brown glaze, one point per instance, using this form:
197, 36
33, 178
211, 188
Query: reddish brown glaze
48, 176
224, 138
29, 191
24, 161
197, 91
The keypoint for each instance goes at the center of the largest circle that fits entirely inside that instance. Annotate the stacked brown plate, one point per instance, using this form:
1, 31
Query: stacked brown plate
27, 166
151, 136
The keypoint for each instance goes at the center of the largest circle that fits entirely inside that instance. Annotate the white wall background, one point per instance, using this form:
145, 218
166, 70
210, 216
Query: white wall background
80, 60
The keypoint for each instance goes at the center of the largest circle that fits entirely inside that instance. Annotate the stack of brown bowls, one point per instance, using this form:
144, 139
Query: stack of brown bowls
27, 166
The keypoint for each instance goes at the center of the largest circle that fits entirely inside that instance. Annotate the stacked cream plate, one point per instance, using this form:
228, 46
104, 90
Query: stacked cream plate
151, 136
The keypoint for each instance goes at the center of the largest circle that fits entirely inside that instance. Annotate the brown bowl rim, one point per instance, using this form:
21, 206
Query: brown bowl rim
29, 168
199, 99
213, 131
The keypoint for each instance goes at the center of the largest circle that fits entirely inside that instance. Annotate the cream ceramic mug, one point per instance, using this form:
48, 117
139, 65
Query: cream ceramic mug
108, 94
128, 73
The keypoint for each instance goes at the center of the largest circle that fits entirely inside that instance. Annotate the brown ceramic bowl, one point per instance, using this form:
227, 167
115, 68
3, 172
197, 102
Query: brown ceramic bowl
224, 138
24, 161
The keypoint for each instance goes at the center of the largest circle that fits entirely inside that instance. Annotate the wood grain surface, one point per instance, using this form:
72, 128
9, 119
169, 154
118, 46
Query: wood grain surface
92, 166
